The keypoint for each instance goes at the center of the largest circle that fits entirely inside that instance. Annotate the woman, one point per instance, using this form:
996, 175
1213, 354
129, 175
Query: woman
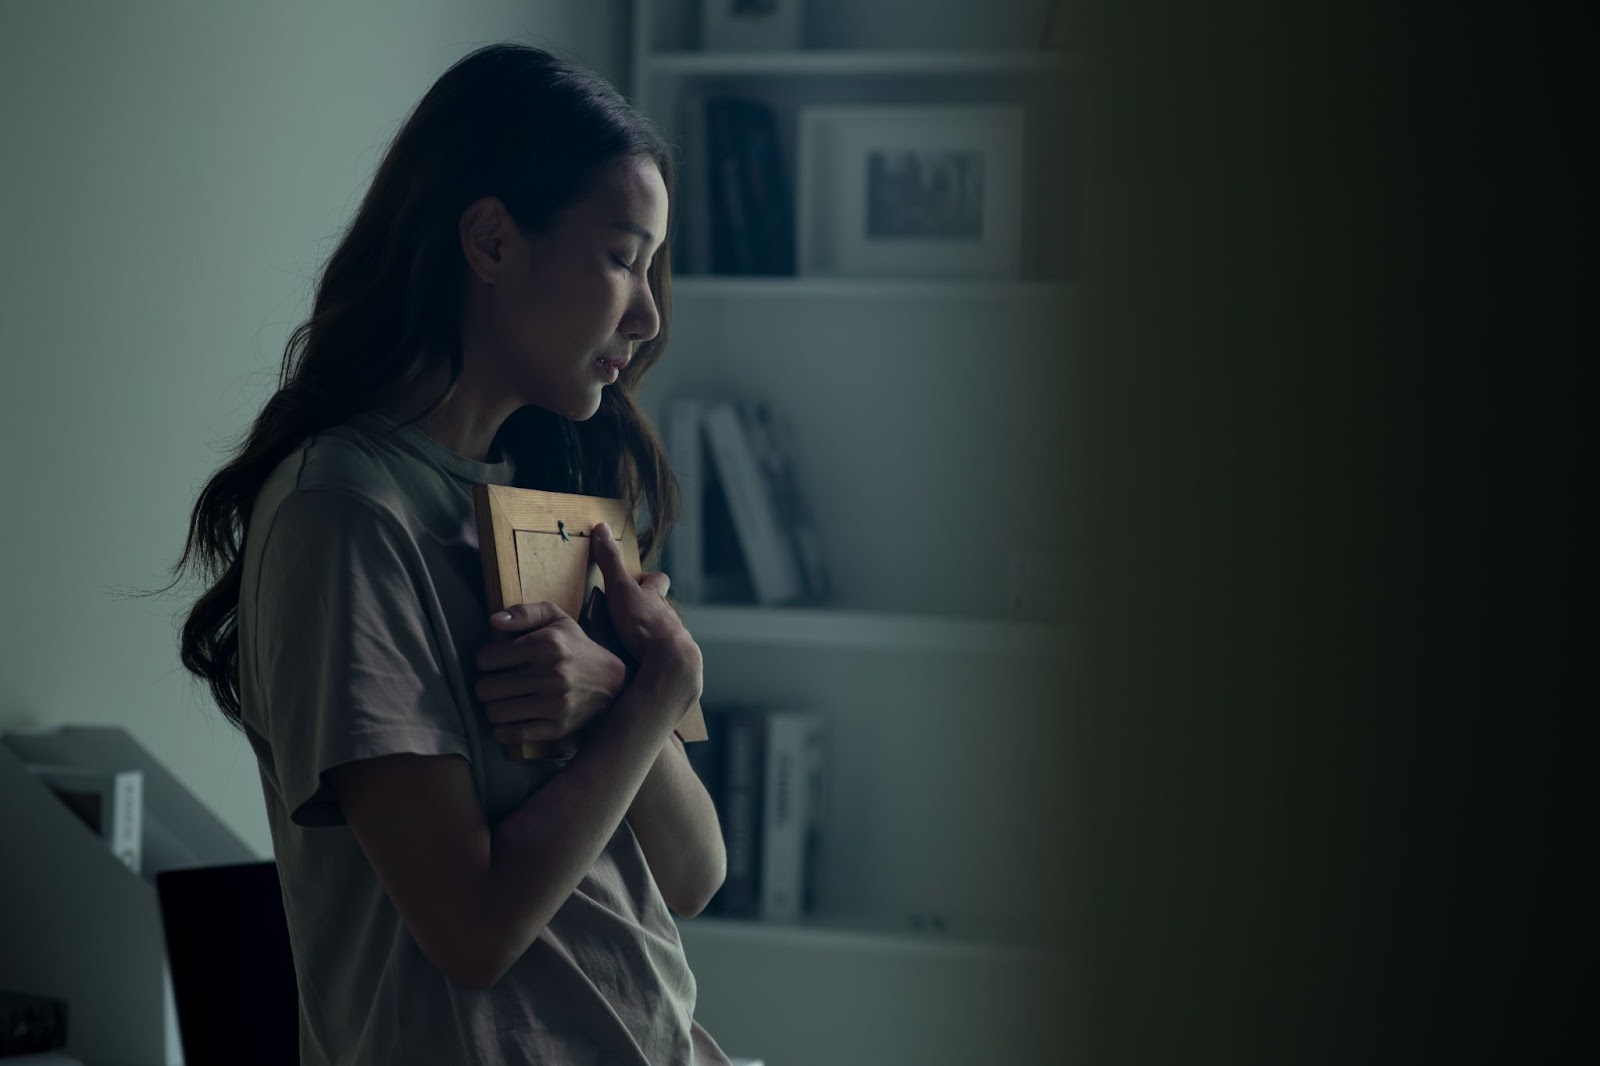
485, 319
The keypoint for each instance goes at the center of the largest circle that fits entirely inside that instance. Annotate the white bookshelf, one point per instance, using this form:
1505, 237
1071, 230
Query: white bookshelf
914, 402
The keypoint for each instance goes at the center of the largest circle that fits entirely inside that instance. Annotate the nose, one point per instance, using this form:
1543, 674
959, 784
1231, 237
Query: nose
642, 321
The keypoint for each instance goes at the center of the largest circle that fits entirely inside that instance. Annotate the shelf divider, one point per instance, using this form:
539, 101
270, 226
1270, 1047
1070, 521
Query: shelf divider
887, 62
872, 630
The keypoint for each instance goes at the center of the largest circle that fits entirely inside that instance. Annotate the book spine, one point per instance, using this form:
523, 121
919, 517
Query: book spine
740, 895
794, 516
706, 760
727, 572
784, 822
684, 418
127, 818
730, 229
774, 570
816, 792
770, 213
696, 228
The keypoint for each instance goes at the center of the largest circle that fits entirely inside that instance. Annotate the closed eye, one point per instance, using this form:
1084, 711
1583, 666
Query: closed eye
627, 268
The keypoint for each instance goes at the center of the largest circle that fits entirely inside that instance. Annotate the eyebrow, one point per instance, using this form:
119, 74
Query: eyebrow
637, 231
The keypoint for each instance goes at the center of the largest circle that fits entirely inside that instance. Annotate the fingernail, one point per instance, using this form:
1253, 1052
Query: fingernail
503, 616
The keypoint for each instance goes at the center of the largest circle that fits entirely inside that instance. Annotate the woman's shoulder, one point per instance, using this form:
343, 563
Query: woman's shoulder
337, 472
351, 461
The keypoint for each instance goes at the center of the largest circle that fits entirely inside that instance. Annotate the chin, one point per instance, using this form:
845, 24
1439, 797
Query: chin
585, 409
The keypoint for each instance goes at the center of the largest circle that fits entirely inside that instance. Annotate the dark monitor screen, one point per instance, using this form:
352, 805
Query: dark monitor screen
233, 979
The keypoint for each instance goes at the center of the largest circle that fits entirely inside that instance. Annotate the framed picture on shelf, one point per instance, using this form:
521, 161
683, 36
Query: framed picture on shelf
910, 191
731, 25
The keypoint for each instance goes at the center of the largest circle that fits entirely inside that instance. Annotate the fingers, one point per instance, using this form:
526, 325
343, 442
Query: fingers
527, 616
507, 684
537, 649
529, 732
525, 710
656, 581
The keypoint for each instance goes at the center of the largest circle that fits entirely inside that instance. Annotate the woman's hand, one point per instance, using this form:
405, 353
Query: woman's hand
640, 616
548, 683
644, 622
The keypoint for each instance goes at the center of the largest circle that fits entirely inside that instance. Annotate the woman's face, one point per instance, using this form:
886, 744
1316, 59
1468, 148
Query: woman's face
569, 308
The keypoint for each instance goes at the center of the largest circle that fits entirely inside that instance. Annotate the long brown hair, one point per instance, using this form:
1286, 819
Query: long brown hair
510, 121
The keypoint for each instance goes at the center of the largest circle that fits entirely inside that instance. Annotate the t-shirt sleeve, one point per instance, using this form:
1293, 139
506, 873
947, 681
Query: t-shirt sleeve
348, 663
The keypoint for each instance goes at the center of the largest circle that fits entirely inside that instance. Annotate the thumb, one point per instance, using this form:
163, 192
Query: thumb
608, 556
527, 616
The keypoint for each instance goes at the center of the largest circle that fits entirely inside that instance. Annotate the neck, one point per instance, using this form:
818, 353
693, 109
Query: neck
466, 423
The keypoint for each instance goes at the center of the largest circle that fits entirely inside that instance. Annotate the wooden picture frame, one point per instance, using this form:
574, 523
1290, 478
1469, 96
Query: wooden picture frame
536, 547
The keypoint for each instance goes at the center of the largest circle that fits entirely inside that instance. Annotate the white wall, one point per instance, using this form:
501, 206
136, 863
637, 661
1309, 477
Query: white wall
172, 173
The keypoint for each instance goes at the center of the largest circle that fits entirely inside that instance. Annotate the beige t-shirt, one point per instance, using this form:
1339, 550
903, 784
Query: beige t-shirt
361, 611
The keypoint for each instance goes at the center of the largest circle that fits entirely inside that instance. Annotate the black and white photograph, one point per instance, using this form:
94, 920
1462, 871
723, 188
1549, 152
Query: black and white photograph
936, 195
930, 191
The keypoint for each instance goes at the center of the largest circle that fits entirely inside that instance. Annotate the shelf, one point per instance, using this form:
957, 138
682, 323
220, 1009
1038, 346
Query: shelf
707, 286
862, 933
861, 62
871, 630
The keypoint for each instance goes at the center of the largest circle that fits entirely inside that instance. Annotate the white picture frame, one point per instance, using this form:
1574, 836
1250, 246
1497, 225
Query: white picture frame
910, 191
754, 25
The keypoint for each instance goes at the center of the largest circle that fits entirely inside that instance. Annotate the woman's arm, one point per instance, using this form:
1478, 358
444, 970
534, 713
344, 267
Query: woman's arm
474, 897
676, 823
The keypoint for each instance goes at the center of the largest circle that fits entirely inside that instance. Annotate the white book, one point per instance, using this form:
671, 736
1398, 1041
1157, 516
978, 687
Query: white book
786, 814
110, 802
774, 571
684, 419
771, 440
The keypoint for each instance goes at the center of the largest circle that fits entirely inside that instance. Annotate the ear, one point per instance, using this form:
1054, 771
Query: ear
483, 233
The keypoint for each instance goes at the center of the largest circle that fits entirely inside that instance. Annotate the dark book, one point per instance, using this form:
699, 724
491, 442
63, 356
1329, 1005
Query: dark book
727, 575
768, 206
706, 759
771, 440
732, 240
743, 784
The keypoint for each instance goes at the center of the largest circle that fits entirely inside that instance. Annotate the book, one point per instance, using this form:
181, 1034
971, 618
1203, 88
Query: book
732, 237
706, 759
816, 811
687, 541
771, 437
109, 802
727, 577
693, 254
767, 551
787, 819
765, 191
742, 798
